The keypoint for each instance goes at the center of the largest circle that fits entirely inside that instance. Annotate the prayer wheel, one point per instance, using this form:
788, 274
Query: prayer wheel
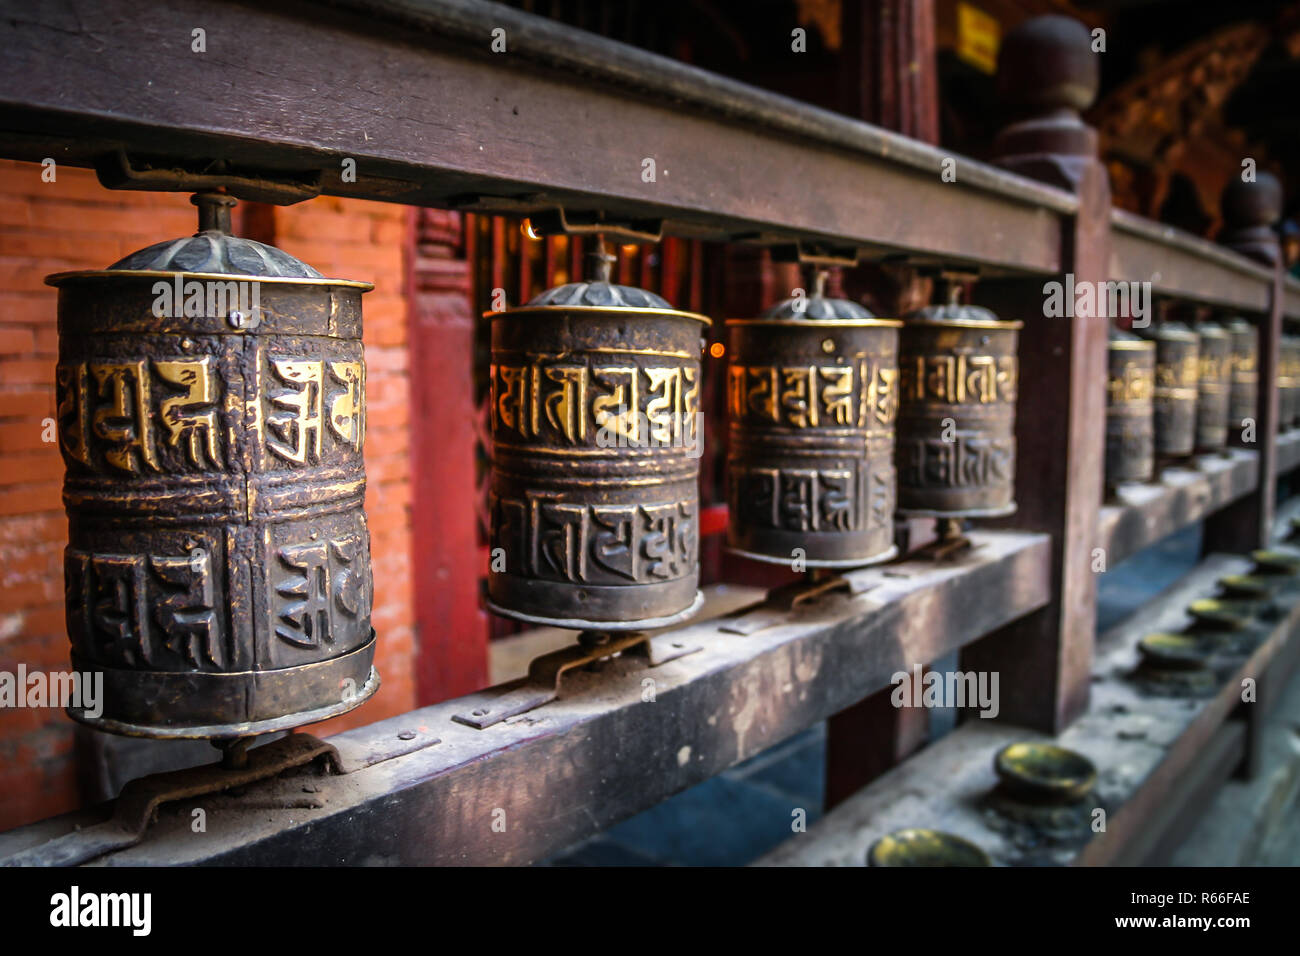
1243, 395
1130, 426
956, 420
1177, 369
596, 438
211, 414
1288, 382
1214, 386
812, 400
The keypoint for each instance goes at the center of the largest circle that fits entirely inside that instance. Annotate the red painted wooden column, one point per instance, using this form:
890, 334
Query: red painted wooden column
451, 627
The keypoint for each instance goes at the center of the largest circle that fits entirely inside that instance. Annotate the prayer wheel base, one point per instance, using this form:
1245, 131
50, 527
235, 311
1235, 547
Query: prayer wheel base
887, 555
581, 624
182, 705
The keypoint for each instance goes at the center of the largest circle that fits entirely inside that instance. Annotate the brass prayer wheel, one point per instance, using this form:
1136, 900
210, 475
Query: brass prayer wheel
1177, 367
596, 438
1214, 385
1243, 395
812, 400
211, 415
956, 419
1288, 382
1130, 423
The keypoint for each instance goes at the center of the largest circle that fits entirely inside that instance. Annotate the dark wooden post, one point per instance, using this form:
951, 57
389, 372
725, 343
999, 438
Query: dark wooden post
1048, 73
1249, 211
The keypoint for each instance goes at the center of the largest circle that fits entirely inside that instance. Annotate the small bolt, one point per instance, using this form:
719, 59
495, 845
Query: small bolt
406, 735
237, 319
480, 713
828, 345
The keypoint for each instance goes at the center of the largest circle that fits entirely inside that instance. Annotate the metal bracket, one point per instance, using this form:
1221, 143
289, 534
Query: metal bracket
816, 253
137, 805
542, 685
792, 597
117, 170
558, 221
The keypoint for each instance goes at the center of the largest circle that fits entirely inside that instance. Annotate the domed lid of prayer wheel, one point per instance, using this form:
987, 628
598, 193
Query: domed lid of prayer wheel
213, 251
956, 312
601, 293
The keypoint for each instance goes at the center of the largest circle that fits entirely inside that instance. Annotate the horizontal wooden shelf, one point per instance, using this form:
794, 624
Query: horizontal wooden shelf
1146, 513
1288, 450
605, 750
1154, 755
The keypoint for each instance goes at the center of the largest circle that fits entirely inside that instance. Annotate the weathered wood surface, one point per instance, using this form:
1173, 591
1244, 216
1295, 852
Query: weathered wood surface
1180, 264
606, 750
1146, 749
1143, 514
412, 93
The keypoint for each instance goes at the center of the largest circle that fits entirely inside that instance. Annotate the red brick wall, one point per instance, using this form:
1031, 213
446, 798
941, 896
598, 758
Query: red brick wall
73, 223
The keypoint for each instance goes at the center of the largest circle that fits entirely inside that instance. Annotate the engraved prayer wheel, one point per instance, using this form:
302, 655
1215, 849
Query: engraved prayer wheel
812, 400
1214, 385
1243, 395
1177, 368
594, 504
211, 415
1130, 423
957, 409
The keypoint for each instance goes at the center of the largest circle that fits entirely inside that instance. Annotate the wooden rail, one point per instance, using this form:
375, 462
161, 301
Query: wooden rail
607, 748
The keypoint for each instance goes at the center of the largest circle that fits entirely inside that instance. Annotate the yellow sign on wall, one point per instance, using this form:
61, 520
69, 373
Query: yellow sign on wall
978, 38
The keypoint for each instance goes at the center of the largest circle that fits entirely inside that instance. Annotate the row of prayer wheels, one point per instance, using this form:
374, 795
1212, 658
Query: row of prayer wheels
211, 416
1175, 390
595, 390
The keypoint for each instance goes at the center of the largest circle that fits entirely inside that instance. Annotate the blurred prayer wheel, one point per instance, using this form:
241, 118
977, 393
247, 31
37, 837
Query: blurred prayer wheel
1214, 386
594, 504
211, 414
1243, 395
956, 419
1130, 424
812, 398
1177, 367
1288, 382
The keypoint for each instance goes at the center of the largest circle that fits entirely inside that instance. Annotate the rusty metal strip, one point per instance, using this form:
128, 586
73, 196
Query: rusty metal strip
542, 685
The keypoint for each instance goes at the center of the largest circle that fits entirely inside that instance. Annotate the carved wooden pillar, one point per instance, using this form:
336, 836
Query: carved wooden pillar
451, 628
1249, 211
1048, 72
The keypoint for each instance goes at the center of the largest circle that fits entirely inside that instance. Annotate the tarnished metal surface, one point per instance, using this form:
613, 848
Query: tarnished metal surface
1242, 397
1177, 367
956, 420
919, 847
812, 399
1130, 423
594, 504
1214, 386
211, 414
